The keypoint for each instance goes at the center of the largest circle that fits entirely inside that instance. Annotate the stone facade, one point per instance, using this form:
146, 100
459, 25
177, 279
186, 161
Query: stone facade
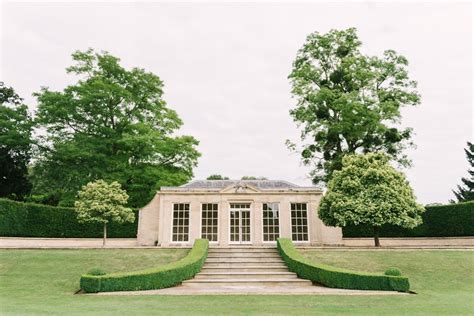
239, 206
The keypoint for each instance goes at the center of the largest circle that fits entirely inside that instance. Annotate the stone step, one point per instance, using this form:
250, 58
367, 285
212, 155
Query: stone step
233, 264
244, 275
245, 247
244, 259
246, 282
245, 269
250, 253
243, 255
245, 250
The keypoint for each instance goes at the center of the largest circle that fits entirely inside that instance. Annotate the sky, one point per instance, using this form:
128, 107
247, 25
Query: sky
225, 68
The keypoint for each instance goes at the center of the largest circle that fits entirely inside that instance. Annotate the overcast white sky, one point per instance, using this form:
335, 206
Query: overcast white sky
225, 69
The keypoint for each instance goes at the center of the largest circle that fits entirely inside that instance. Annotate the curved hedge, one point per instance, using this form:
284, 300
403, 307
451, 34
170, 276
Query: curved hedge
150, 279
19, 219
336, 277
451, 220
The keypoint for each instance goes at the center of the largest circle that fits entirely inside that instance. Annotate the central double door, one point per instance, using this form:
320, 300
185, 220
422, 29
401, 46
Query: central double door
240, 224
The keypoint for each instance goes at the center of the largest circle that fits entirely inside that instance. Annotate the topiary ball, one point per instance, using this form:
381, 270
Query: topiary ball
96, 271
393, 271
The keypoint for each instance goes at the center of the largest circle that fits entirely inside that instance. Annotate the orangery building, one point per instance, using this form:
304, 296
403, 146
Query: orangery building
235, 212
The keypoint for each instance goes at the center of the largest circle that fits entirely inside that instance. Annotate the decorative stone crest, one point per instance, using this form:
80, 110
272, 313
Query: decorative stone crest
240, 187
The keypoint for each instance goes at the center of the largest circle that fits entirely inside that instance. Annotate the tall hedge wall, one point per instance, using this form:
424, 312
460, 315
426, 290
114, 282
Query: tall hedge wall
18, 219
452, 220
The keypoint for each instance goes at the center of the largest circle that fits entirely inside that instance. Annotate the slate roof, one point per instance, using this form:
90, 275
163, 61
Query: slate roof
221, 184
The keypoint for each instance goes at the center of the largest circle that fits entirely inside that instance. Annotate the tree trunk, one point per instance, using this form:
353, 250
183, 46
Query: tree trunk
376, 236
105, 235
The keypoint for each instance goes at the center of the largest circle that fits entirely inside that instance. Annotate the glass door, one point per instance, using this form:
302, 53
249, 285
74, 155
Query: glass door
240, 223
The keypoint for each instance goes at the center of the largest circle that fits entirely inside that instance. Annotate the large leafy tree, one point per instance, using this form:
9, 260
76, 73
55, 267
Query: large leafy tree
369, 191
15, 144
348, 102
465, 192
101, 202
113, 124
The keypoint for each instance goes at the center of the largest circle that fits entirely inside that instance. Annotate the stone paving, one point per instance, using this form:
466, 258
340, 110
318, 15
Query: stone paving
39, 243
251, 290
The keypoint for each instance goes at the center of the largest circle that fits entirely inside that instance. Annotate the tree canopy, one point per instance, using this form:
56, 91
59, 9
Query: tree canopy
15, 144
348, 102
113, 124
465, 192
217, 177
253, 178
369, 191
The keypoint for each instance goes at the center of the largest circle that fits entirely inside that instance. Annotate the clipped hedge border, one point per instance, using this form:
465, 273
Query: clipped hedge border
336, 277
150, 279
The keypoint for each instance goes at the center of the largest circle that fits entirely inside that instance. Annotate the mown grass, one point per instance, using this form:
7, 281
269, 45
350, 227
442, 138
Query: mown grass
42, 282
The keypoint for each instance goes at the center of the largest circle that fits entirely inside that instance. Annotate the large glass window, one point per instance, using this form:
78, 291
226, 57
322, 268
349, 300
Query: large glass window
271, 221
181, 222
209, 221
299, 222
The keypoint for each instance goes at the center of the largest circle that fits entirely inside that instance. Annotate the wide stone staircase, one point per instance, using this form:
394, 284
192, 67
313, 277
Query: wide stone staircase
246, 270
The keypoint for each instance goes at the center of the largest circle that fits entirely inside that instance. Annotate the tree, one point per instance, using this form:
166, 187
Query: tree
217, 177
253, 178
348, 102
368, 191
15, 144
100, 202
465, 191
113, 124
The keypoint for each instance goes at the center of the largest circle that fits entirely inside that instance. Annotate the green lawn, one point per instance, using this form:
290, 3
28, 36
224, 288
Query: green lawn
35, 282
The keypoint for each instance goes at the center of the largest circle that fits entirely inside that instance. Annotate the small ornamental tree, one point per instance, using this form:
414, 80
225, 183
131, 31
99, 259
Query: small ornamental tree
100, 202
369, 191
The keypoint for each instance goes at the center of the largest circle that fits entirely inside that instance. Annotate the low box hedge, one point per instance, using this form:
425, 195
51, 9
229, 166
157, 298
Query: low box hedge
336, 277
19, 219
451, 220
150, 279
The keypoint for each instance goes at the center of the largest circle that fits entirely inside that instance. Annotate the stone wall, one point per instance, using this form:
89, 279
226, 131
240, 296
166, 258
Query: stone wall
412, 242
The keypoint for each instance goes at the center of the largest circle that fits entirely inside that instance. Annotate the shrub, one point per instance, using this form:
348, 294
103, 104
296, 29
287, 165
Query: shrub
451, 220
18, 219
336, 277
96, 271
155, 278
393, 271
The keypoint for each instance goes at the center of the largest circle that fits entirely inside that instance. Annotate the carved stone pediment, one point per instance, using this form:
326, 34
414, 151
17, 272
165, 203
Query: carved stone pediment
240, 187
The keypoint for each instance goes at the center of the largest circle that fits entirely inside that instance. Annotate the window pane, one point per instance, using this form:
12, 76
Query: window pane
180, 222
270, 221
209, 221
299, 222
